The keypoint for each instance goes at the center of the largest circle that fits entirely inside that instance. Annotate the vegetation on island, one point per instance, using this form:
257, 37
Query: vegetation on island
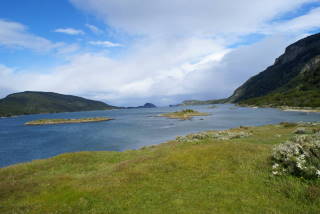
62, 121
201, 102
30, 102
185, 114
294, 79
228, 171
212, 107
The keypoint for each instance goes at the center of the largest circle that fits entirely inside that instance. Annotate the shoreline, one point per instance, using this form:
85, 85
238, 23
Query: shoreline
285, 108
301, 110
240, 129
21, 115
66, 121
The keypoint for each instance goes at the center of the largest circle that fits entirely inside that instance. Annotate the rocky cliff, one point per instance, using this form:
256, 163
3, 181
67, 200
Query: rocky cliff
293, 80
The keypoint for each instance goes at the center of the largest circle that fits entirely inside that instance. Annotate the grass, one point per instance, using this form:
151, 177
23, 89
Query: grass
184, 114
207, 175
62, 121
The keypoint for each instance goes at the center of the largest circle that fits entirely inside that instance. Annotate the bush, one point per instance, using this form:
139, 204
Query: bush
218, 135
186, 111
288, 124
299, 157
300, 130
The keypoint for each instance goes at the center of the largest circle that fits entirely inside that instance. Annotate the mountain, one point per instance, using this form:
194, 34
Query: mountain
293, 80
30, 102
147, 105
201, 102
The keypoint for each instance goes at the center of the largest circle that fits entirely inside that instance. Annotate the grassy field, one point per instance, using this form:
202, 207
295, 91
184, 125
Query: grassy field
186, 114
211, 172
61, 121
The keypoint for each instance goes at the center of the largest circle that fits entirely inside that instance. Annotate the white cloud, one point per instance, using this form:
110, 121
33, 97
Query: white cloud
141, 74
153, 17
94, 29
68, 49
69, 31
308, 21
192, 68
105, 44
16, 35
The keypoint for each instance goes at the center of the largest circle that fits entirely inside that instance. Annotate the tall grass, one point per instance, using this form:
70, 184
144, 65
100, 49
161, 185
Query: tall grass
210, 175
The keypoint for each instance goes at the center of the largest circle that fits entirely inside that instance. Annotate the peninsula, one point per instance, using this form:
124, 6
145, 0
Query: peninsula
34, 102
62, 121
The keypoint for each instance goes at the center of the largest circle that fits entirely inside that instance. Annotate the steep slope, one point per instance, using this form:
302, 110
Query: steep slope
293, 80
46, 102
202, 102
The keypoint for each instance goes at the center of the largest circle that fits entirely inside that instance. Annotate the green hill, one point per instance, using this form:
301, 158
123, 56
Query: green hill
201, 102
294, 79
30, 102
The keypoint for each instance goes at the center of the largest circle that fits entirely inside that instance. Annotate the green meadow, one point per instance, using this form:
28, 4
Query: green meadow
229, 172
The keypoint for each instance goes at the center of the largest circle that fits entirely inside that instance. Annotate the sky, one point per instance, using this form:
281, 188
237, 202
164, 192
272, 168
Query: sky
129, 52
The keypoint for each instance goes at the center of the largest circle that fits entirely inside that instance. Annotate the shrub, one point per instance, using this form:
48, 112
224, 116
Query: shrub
303, 130
186, 111
300, 156
300, 131
288, 124
218, 135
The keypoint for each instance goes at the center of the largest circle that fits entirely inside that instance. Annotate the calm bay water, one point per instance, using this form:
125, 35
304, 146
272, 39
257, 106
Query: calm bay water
131, 129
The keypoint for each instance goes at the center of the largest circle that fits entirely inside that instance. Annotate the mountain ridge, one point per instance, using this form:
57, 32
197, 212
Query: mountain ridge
293, 80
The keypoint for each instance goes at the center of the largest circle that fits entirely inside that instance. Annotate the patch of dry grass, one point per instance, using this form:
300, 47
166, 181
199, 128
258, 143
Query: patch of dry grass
62, 121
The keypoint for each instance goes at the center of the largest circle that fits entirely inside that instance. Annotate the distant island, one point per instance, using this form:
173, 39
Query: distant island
31, 102
184, 114
293, 80
62, 121
147, 105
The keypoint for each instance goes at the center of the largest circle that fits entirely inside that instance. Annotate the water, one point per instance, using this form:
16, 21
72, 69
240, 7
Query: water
131, 129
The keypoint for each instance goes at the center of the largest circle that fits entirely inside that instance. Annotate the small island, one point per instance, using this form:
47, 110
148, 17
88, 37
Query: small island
184, 114
63, 121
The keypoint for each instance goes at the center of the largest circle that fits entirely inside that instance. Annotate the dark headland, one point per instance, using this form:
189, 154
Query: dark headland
31, 102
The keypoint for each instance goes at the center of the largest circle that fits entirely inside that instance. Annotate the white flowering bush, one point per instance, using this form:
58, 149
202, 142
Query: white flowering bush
300, 156
300, 130
219, 135
308, 124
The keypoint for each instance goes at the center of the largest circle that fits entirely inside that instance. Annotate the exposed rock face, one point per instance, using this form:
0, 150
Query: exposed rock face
302, 57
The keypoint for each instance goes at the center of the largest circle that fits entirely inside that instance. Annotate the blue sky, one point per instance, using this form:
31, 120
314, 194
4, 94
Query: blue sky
42, 18
134, 51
